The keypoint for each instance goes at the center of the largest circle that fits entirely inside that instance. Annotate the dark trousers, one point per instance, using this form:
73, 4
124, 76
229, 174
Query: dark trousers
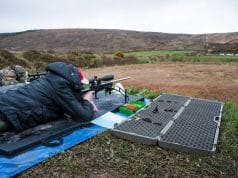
4, 123
2, 116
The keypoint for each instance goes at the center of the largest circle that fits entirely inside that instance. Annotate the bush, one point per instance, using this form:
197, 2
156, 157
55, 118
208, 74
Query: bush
21, 62
48, 58
118, 61
32, 55
94, 62
107, 61
40, 66
119, 54
83, 59
131, 60
177, 59
7, 59
3, 62
7, 55
142, 61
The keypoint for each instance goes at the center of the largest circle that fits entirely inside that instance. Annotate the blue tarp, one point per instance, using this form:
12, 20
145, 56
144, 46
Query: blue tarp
12, 166
15, 165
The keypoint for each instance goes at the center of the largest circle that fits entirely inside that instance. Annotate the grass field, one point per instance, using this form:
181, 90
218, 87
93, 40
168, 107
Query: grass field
180, 56
108, 156
156, 53
207, 76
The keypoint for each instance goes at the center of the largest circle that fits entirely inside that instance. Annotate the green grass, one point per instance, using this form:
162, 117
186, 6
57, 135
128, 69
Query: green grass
146, 93
106, 155
156, 53
211, 58
179, 56
229, 136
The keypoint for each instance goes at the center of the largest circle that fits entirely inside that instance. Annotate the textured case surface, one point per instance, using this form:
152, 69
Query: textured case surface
176, 122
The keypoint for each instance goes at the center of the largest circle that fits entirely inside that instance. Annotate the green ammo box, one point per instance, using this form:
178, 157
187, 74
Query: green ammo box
138, 104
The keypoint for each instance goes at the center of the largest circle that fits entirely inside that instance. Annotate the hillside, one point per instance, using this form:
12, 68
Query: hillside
98, 40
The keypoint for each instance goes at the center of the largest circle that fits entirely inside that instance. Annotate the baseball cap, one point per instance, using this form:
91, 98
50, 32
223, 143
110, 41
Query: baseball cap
81, 76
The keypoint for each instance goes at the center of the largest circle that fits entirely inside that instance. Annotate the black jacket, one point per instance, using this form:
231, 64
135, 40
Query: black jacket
46, 99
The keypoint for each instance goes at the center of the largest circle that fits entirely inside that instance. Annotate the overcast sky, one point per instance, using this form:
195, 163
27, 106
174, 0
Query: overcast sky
171, 16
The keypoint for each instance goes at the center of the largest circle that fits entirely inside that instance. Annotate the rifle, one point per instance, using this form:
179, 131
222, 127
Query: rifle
105, 83
35, 76
96, 84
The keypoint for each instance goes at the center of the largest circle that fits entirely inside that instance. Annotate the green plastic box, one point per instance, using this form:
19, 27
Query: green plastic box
138, 104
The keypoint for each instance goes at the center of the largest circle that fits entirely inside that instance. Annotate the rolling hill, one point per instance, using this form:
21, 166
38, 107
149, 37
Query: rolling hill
101, 40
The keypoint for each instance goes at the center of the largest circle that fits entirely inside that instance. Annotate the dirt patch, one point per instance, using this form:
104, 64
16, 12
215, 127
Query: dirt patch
236, 81
210, 81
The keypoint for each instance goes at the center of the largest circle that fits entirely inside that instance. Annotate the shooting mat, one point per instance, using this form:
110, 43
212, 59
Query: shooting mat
12, 143
20, 151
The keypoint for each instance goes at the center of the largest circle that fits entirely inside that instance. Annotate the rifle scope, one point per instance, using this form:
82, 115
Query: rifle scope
103, 78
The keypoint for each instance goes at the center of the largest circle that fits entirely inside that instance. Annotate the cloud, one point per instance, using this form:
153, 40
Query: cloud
173, 16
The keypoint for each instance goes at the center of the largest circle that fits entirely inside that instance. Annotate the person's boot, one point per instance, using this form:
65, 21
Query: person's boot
3, 125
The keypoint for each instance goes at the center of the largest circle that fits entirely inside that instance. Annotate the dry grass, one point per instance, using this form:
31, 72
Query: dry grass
206, 80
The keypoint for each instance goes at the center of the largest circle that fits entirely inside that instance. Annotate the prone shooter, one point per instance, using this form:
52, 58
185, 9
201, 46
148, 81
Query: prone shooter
95, 84
51, 97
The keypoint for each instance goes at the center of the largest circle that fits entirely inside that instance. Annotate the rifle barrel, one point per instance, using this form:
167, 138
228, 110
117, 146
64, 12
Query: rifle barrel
118, 80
